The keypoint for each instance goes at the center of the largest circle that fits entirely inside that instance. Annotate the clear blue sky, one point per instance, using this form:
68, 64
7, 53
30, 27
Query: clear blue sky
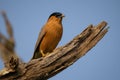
28, 16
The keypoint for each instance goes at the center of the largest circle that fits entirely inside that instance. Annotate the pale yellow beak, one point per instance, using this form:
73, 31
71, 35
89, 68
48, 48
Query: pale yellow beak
63, 15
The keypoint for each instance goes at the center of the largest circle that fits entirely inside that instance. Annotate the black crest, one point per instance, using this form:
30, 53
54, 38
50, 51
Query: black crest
57, 14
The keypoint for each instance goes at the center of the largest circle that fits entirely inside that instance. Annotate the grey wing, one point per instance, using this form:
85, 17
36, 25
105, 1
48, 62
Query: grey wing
40, 37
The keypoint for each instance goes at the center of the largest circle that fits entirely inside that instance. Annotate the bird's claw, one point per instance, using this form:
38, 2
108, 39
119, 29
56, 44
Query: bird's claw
44, 54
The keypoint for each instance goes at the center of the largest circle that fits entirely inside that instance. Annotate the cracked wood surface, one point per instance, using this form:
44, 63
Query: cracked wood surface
60, 59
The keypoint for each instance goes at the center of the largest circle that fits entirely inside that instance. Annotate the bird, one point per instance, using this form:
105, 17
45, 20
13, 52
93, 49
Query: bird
49, 36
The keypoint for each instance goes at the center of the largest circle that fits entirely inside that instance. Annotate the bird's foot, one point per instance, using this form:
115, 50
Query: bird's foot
44, 54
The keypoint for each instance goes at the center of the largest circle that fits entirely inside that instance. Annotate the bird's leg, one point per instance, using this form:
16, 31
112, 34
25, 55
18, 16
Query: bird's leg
43, 54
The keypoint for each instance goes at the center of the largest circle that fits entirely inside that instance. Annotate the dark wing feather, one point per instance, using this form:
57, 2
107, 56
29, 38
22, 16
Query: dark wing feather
40, 37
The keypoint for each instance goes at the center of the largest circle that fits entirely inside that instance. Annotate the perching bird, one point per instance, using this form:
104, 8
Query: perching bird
49, 36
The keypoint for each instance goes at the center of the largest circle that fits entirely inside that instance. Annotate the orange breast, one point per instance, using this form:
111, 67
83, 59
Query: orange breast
52, 37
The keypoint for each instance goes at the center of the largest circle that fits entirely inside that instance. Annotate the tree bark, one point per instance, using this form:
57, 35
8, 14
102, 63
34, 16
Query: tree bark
60, 59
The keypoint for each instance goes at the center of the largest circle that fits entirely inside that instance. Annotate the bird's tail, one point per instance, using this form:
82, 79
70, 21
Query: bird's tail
36, 55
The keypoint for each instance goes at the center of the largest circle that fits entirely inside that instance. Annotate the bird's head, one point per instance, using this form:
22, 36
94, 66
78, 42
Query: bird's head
56, 16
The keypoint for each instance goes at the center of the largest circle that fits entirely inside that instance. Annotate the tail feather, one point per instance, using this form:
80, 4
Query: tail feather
36, 55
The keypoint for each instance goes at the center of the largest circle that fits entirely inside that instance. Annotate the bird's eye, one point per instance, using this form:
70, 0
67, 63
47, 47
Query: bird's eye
58, 16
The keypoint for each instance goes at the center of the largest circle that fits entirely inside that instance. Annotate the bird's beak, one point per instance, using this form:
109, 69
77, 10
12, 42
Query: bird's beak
63, 15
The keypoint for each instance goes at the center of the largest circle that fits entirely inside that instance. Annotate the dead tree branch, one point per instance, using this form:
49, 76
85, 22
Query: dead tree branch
60, 59
7, 47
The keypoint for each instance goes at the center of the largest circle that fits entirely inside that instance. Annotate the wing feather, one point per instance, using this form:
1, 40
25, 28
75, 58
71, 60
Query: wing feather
40, 37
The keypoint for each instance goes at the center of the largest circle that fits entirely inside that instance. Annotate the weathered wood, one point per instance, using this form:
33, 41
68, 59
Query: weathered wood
60, 59
7, 45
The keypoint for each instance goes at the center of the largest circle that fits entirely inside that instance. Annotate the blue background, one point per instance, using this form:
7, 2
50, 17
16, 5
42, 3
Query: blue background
28, 16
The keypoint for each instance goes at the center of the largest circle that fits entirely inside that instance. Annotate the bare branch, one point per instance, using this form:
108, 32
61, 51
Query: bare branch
61, 58
9, 28
7, 45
